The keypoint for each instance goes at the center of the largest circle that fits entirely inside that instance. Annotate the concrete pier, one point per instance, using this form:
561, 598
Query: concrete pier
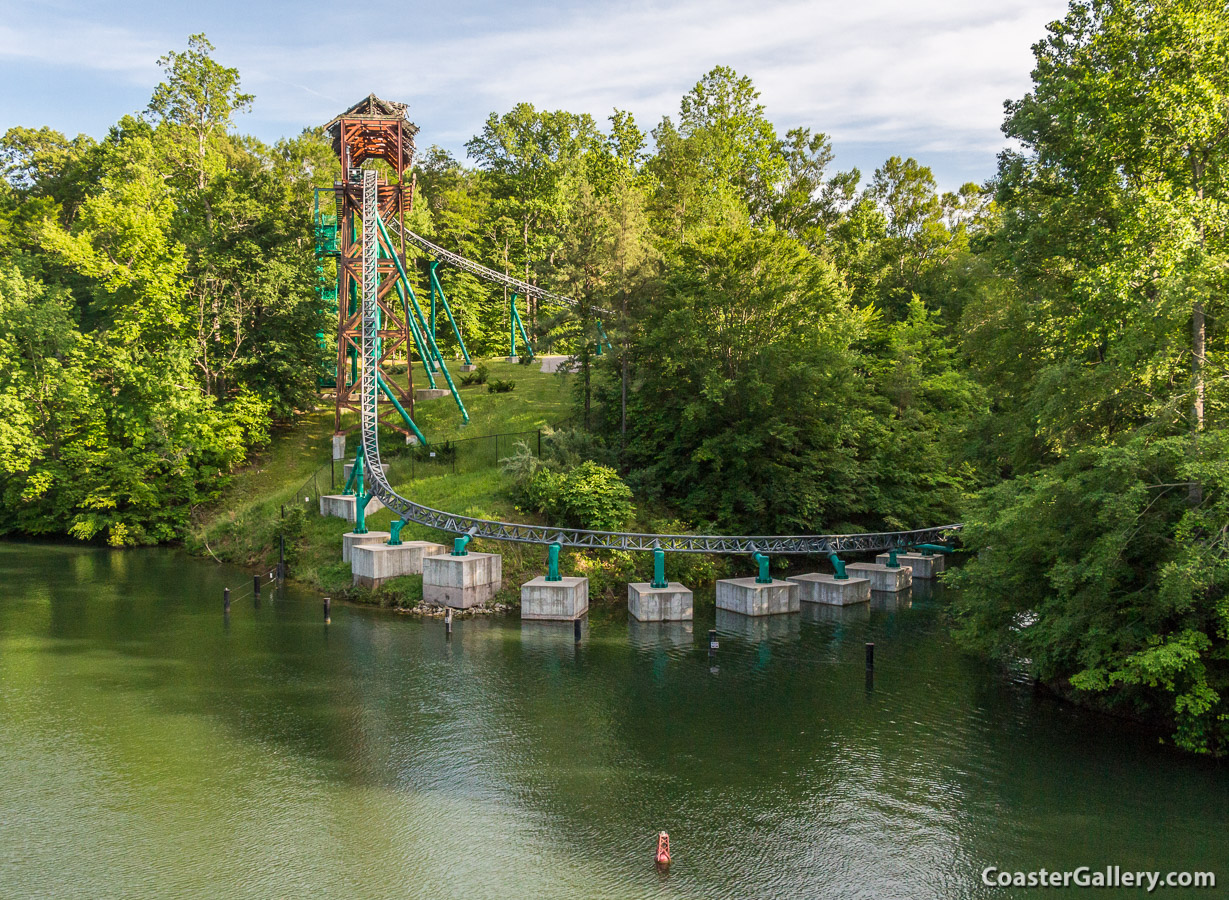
567, 598
646, 603
461, 581
924, 565
750, 598
468, 368
819, 587
350, 540
348, 467
374, 564
342, 506
430, 393
882, 578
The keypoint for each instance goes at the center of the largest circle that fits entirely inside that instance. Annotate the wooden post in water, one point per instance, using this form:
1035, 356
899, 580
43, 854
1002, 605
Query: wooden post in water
226, 601
870, 656
327, 617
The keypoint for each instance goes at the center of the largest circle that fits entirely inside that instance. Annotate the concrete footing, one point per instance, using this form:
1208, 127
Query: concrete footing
567, 598
350, 540
819, 587
924, 565
468, 368
882, 578
672, 603
749, 598
342, 506
430, 393
374, 564
461, 581
349, 467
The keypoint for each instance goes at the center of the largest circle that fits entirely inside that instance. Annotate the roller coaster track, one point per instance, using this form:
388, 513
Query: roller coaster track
567, 537
524, 288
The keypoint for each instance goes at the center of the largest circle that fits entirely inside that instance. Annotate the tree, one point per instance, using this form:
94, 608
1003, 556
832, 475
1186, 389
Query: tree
1112, 234
196, 104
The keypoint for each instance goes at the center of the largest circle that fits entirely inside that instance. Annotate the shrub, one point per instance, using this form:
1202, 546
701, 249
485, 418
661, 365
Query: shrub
478, 376
499, 386
525, 359
589, 496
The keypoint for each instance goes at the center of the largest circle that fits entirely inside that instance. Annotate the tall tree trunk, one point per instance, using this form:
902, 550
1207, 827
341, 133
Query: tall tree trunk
1199, 337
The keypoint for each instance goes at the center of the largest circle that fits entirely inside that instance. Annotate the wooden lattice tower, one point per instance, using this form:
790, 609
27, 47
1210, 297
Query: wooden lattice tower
371, 130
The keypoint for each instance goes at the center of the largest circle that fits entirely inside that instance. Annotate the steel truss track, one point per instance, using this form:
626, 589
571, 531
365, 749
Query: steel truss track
568, 537
524, 288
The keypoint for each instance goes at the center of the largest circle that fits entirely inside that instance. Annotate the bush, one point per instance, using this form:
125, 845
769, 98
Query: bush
478, 376
525, 359
589, 496
499, 386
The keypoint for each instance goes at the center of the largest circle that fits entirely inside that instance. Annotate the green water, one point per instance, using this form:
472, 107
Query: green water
151, 748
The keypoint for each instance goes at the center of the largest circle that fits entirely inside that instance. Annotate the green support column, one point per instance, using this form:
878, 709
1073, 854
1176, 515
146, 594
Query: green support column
763, 577
839, 565
659, 570
552, 563
460, 545
394, 533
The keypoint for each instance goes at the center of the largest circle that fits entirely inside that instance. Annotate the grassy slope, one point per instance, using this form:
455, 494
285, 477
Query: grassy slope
242, 526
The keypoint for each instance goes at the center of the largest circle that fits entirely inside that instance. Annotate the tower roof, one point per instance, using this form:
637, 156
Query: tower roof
375, 115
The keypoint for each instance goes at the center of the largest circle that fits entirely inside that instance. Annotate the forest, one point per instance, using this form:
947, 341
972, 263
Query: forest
795, 348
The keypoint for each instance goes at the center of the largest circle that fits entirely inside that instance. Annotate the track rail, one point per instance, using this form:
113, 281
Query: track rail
568, 537
524, 288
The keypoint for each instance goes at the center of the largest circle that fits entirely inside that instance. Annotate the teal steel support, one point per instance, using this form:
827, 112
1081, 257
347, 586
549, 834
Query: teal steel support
456, 328
514, 322
430, 340
420, 342
460, 545
361, 499
602, 339
839, 565
933, 548
355, 471
659, 570
763, 577
394, 533
552, 563
892, 562
388, 392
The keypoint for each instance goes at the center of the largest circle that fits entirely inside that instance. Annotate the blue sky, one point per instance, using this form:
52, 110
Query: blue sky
924, 79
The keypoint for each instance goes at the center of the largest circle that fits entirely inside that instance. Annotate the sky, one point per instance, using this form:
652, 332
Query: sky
924, 79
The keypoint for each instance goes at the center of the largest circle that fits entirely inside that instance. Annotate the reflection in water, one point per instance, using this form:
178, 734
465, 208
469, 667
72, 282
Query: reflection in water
924, 589
841, 615
757, 628
557, 638
655, 635
150, 750
891, 601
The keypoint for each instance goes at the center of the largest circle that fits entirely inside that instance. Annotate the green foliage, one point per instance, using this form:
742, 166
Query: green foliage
478, 376
500, 386
1102, 561
588, 496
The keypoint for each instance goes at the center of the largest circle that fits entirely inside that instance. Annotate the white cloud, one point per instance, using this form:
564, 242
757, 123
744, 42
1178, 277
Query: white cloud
931, 76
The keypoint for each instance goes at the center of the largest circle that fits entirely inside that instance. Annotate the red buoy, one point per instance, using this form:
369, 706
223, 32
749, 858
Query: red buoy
663, 849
